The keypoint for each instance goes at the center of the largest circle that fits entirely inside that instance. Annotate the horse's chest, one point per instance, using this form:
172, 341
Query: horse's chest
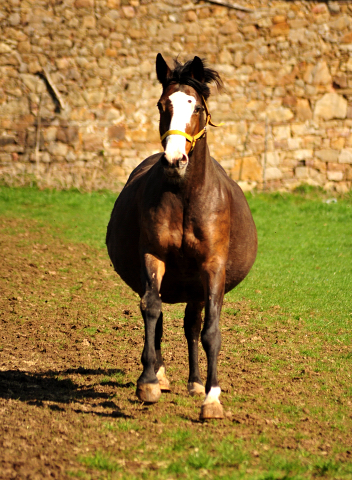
173, 231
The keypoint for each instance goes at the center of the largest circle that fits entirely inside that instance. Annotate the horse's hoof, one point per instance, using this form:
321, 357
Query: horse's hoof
211, 410
148, 392
164, 383
195, 388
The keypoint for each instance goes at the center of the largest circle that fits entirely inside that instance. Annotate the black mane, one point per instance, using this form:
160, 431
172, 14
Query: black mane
182, 75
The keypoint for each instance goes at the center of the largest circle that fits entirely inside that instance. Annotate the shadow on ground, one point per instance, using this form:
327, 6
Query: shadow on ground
36, 388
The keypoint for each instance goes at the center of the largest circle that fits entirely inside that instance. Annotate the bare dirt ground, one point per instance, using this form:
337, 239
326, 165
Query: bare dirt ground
70, 344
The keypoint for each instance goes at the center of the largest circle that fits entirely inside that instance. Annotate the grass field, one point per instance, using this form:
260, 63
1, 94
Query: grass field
305, 245
285, 366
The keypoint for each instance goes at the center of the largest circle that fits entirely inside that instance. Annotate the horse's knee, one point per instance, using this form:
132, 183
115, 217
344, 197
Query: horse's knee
211, 339
150, 304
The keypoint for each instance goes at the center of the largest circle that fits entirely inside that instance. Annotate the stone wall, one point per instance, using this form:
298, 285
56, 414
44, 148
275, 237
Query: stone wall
78, 89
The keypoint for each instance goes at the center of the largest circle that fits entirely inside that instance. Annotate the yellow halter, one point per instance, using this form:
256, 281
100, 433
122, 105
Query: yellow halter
196, 137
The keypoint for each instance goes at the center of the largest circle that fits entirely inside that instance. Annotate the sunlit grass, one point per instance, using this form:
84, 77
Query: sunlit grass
304, 254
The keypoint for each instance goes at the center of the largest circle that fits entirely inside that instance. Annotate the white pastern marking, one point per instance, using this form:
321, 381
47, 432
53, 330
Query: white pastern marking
161, 372
213, 396
183, 107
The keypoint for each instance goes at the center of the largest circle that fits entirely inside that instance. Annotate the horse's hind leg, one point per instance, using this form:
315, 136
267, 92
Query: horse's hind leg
192, 326
159, 368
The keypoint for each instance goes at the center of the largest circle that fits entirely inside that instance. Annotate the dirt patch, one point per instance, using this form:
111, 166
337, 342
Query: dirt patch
70, 345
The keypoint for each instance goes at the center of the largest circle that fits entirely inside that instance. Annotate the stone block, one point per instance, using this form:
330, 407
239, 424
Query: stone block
49, 134
272, 159
348, 172
5, 158
303, 110
93, 142
330, 106
249, 167
94, 97
253, 57
282, 132
117, 132
345, 156
347, 38
318, 74
89, 21
334, 176
128, 11
7, 140
84, 3
107, 22
58, 149
338, 143
250, 31
341, 23
303, 154
301, 172
14, 108
349, 65
319, 8
229, 27
294, 143
98, 49
276, 114
280, 29
336, 167
232, 140
68, 134
327, 155
34, 67
273, 173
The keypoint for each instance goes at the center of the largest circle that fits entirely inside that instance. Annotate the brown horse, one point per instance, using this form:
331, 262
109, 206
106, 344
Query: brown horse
181, 231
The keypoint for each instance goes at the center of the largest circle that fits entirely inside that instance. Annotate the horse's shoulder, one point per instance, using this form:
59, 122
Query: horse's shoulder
143, 168
218, 166
234, 187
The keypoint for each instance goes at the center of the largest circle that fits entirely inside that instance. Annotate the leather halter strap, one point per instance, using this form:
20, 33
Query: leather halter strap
199, 135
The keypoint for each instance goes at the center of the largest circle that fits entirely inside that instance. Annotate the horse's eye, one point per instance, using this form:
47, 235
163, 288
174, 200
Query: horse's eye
198, 108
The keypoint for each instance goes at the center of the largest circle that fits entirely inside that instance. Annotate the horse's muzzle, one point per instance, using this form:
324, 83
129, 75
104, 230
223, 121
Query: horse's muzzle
174, 166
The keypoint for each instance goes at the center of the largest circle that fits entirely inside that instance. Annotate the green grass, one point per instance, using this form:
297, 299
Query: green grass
304, 256
180, 453
304, 259
75, 216
99, 461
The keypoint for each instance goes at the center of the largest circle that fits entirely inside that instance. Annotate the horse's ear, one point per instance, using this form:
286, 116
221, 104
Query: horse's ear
197, 69
163, 71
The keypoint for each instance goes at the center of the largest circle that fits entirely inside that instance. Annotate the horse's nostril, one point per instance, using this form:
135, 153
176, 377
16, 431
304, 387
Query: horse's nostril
171, 162
183, 160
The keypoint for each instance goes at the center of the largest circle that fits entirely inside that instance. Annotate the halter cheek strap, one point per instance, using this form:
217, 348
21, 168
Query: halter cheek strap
200, 134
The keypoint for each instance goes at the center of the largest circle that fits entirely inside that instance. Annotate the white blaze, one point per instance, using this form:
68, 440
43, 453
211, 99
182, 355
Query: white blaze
183, 107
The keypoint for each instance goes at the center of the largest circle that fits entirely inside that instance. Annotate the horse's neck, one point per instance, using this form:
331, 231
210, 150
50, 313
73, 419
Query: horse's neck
201, 167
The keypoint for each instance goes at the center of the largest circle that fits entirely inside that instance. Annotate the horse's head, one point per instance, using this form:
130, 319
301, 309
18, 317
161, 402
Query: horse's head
181, 108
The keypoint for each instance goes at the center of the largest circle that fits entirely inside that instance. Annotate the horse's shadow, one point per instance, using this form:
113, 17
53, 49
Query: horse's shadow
35, 388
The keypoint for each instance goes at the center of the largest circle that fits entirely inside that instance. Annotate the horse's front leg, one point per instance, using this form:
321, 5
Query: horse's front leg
214, 286
148, 388
160, 365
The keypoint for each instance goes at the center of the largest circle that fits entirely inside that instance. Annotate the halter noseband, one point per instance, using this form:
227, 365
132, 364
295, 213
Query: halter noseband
199, 135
